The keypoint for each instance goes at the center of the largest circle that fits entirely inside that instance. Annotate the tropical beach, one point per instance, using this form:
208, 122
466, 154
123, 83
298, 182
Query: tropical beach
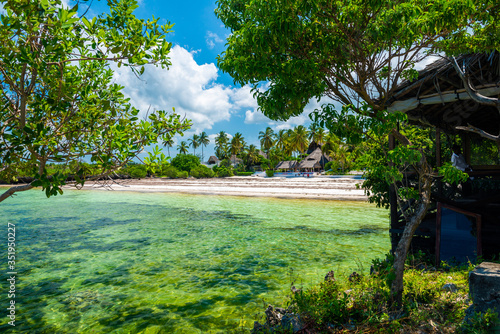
252, 166
342, 187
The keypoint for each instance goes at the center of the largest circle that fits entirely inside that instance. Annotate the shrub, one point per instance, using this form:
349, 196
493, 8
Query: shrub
182, 174
164, 168
224, 172
244, 173
201, 171
269, 172
137, 171
185, 162
171, 172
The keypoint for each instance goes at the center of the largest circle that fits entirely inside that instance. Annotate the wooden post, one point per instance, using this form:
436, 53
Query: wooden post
467, 149
393, 202
439, 162
438, 148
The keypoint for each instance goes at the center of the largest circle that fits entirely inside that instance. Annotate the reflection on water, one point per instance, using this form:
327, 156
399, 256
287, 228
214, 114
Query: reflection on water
120, 262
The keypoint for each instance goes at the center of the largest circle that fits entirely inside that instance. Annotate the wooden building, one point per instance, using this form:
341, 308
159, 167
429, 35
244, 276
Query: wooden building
464, 220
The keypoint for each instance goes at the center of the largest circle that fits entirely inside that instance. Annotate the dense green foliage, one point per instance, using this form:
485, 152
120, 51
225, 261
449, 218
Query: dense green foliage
136, 171
223, 171
185, 162
201, 172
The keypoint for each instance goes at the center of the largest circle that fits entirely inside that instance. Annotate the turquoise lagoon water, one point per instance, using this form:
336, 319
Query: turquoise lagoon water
123, 262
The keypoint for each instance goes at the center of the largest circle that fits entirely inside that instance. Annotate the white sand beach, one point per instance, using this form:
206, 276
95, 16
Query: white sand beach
318, 187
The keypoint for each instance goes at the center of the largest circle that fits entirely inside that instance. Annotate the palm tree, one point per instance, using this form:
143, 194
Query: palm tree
222, 145
252, 155
331, 143
317, 134
237, 144
281, 139
298, 139
204, 141
168, 143
195, 142
267, 139
183, 147
336, 149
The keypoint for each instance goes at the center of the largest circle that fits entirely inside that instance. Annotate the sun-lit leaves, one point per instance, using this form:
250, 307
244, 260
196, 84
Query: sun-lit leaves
60, 102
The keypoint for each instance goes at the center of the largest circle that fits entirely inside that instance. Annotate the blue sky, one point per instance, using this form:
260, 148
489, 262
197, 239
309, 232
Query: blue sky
193, 84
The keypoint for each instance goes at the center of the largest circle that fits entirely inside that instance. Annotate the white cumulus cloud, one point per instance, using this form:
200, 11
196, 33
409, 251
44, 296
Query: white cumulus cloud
187, 86
212, 39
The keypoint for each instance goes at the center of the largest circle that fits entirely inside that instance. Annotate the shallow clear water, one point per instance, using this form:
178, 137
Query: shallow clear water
123, 262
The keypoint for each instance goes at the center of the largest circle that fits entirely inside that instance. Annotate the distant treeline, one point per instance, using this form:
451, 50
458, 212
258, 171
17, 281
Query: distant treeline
182, 166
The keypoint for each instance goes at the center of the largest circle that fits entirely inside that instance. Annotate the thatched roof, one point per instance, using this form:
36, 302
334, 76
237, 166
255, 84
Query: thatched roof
262, 153
213, 160
312, 147
314, 160
287, 165
235, 160
310, 164
438, 97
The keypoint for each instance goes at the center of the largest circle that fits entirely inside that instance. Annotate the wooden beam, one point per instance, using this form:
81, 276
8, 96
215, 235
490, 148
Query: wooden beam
446, 97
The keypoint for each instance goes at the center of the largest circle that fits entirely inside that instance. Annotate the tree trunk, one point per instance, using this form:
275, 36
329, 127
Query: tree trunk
405, 241
11, 191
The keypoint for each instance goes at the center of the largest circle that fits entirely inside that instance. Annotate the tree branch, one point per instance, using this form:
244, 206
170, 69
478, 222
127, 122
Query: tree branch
11, 191
481, 99
478, 131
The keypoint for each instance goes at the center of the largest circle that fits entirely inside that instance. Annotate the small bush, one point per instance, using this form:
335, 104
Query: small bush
182, 174
224, 172
201, 172
164, 168
137, 171
269, 172
171, 172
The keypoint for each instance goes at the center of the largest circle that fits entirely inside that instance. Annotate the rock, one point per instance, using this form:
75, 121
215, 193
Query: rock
280, 310
354, 277
257, 328
450, 287
273, 317
330, 276
292, 321
484, 287
484, 290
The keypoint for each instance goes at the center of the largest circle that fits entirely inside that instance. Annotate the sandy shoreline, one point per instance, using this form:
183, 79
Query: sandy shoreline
326, 188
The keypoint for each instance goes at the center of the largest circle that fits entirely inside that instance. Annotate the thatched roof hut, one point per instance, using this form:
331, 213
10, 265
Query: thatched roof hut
315, 160
288, 165
213, 160
312, 147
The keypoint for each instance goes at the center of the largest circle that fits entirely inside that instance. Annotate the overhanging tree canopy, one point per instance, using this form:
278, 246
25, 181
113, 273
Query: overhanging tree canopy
59, 102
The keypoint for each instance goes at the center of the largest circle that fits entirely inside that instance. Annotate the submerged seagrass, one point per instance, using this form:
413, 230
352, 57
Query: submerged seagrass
101, 261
